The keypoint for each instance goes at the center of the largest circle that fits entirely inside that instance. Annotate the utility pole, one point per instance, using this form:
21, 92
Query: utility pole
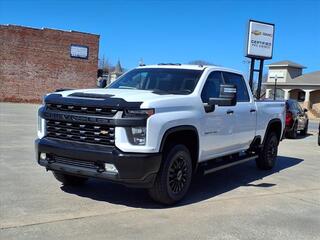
275, 87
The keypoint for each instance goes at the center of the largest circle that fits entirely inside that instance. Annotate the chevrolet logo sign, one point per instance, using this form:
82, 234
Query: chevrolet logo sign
256, 32
104, 132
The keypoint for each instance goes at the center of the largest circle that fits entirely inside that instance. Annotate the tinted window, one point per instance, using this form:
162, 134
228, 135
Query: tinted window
165, 80
289, 105
299, 107
293, 106
236, 79
211, 88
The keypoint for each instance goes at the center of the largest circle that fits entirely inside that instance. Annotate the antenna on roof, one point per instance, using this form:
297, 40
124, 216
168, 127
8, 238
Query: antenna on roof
141, 63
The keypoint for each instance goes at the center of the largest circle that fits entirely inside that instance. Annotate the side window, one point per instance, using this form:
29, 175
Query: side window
211, 88
236, 79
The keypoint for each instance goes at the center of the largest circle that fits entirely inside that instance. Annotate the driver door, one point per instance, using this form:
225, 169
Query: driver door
217, 125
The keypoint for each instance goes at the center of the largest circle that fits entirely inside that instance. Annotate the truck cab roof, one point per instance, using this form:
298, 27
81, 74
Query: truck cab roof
190, 67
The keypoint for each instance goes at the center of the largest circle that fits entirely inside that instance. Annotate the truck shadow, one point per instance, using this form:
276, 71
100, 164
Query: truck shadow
202, 188
299, 136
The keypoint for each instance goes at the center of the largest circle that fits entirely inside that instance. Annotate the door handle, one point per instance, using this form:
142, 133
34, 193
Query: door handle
229, 112
252, 110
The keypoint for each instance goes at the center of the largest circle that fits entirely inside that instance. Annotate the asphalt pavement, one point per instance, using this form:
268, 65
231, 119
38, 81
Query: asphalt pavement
236, 203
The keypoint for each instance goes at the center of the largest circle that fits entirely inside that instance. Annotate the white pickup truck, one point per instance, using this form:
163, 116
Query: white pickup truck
155, 126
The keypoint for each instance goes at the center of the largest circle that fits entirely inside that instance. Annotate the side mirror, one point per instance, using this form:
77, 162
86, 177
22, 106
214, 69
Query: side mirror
305, 110
102, 83
227, 97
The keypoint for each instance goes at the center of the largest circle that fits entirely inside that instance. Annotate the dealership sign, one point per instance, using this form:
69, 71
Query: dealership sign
260, 40
78, 51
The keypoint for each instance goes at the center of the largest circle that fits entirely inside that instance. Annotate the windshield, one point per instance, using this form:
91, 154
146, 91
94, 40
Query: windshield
159, 80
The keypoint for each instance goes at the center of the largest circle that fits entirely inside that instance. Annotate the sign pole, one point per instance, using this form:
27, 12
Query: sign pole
260, 78
251, 74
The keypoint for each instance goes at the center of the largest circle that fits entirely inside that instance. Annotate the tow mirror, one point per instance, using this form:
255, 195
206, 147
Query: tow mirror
227, 97
102, 83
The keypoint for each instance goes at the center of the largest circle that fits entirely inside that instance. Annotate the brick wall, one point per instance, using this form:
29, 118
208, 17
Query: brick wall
34, 62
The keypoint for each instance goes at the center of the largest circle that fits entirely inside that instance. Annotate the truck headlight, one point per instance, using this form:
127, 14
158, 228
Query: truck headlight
138, 113
41, 127
137, 135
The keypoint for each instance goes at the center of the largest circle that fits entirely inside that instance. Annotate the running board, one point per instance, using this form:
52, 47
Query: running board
217, 168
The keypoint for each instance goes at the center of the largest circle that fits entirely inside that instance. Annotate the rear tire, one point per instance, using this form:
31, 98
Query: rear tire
174, 178
305, 130
294, 132
69, 179
267, 156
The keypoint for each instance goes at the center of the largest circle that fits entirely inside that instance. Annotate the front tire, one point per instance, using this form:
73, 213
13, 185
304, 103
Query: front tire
69, 179
267, 156
174, 178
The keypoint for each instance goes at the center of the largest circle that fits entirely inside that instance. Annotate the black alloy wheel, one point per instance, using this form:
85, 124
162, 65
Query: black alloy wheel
272, 150
178, 174
268, 155
174, 177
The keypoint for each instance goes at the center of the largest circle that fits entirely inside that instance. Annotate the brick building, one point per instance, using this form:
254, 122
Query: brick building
34, 62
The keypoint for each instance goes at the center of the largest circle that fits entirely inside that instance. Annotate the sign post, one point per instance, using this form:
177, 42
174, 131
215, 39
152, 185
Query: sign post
259, 47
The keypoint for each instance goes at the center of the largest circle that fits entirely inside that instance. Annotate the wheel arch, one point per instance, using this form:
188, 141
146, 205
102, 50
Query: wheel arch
187, 135
273, 125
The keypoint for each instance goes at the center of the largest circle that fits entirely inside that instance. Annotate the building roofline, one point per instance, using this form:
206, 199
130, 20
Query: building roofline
286, 63
291, 84
54, 29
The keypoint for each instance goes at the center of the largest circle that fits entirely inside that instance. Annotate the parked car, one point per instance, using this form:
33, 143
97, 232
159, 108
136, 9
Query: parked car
296, 119
155, 125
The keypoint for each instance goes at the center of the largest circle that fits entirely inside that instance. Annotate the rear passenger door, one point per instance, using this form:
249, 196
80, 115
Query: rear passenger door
244, 112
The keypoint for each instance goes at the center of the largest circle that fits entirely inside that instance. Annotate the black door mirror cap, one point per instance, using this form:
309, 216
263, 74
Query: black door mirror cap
102, 83
209, 107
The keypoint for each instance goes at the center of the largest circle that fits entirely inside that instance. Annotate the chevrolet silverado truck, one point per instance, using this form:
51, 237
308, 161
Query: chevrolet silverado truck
155, 126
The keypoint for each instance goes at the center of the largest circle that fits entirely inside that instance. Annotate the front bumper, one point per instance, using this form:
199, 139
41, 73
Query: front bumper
134, 169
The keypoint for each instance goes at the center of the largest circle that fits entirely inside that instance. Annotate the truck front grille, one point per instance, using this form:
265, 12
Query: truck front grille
82, 109
88, 133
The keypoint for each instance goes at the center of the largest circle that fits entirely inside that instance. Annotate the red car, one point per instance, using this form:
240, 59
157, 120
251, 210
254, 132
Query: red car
296, 119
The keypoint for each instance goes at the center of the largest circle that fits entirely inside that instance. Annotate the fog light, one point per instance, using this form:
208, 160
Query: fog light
43, 156
110, 168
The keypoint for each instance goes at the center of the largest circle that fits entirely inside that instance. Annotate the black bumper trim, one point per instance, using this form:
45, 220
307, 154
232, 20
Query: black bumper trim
134, 169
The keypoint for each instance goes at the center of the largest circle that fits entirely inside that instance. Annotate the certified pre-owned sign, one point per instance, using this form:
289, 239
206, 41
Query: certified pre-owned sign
260, 40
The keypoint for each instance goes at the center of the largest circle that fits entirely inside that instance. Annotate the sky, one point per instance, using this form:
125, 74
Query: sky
178, 31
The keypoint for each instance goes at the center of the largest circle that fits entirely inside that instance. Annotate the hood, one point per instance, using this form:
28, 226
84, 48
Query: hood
143, 98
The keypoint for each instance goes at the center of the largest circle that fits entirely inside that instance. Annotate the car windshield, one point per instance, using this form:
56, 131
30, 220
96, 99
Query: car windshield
159, 80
